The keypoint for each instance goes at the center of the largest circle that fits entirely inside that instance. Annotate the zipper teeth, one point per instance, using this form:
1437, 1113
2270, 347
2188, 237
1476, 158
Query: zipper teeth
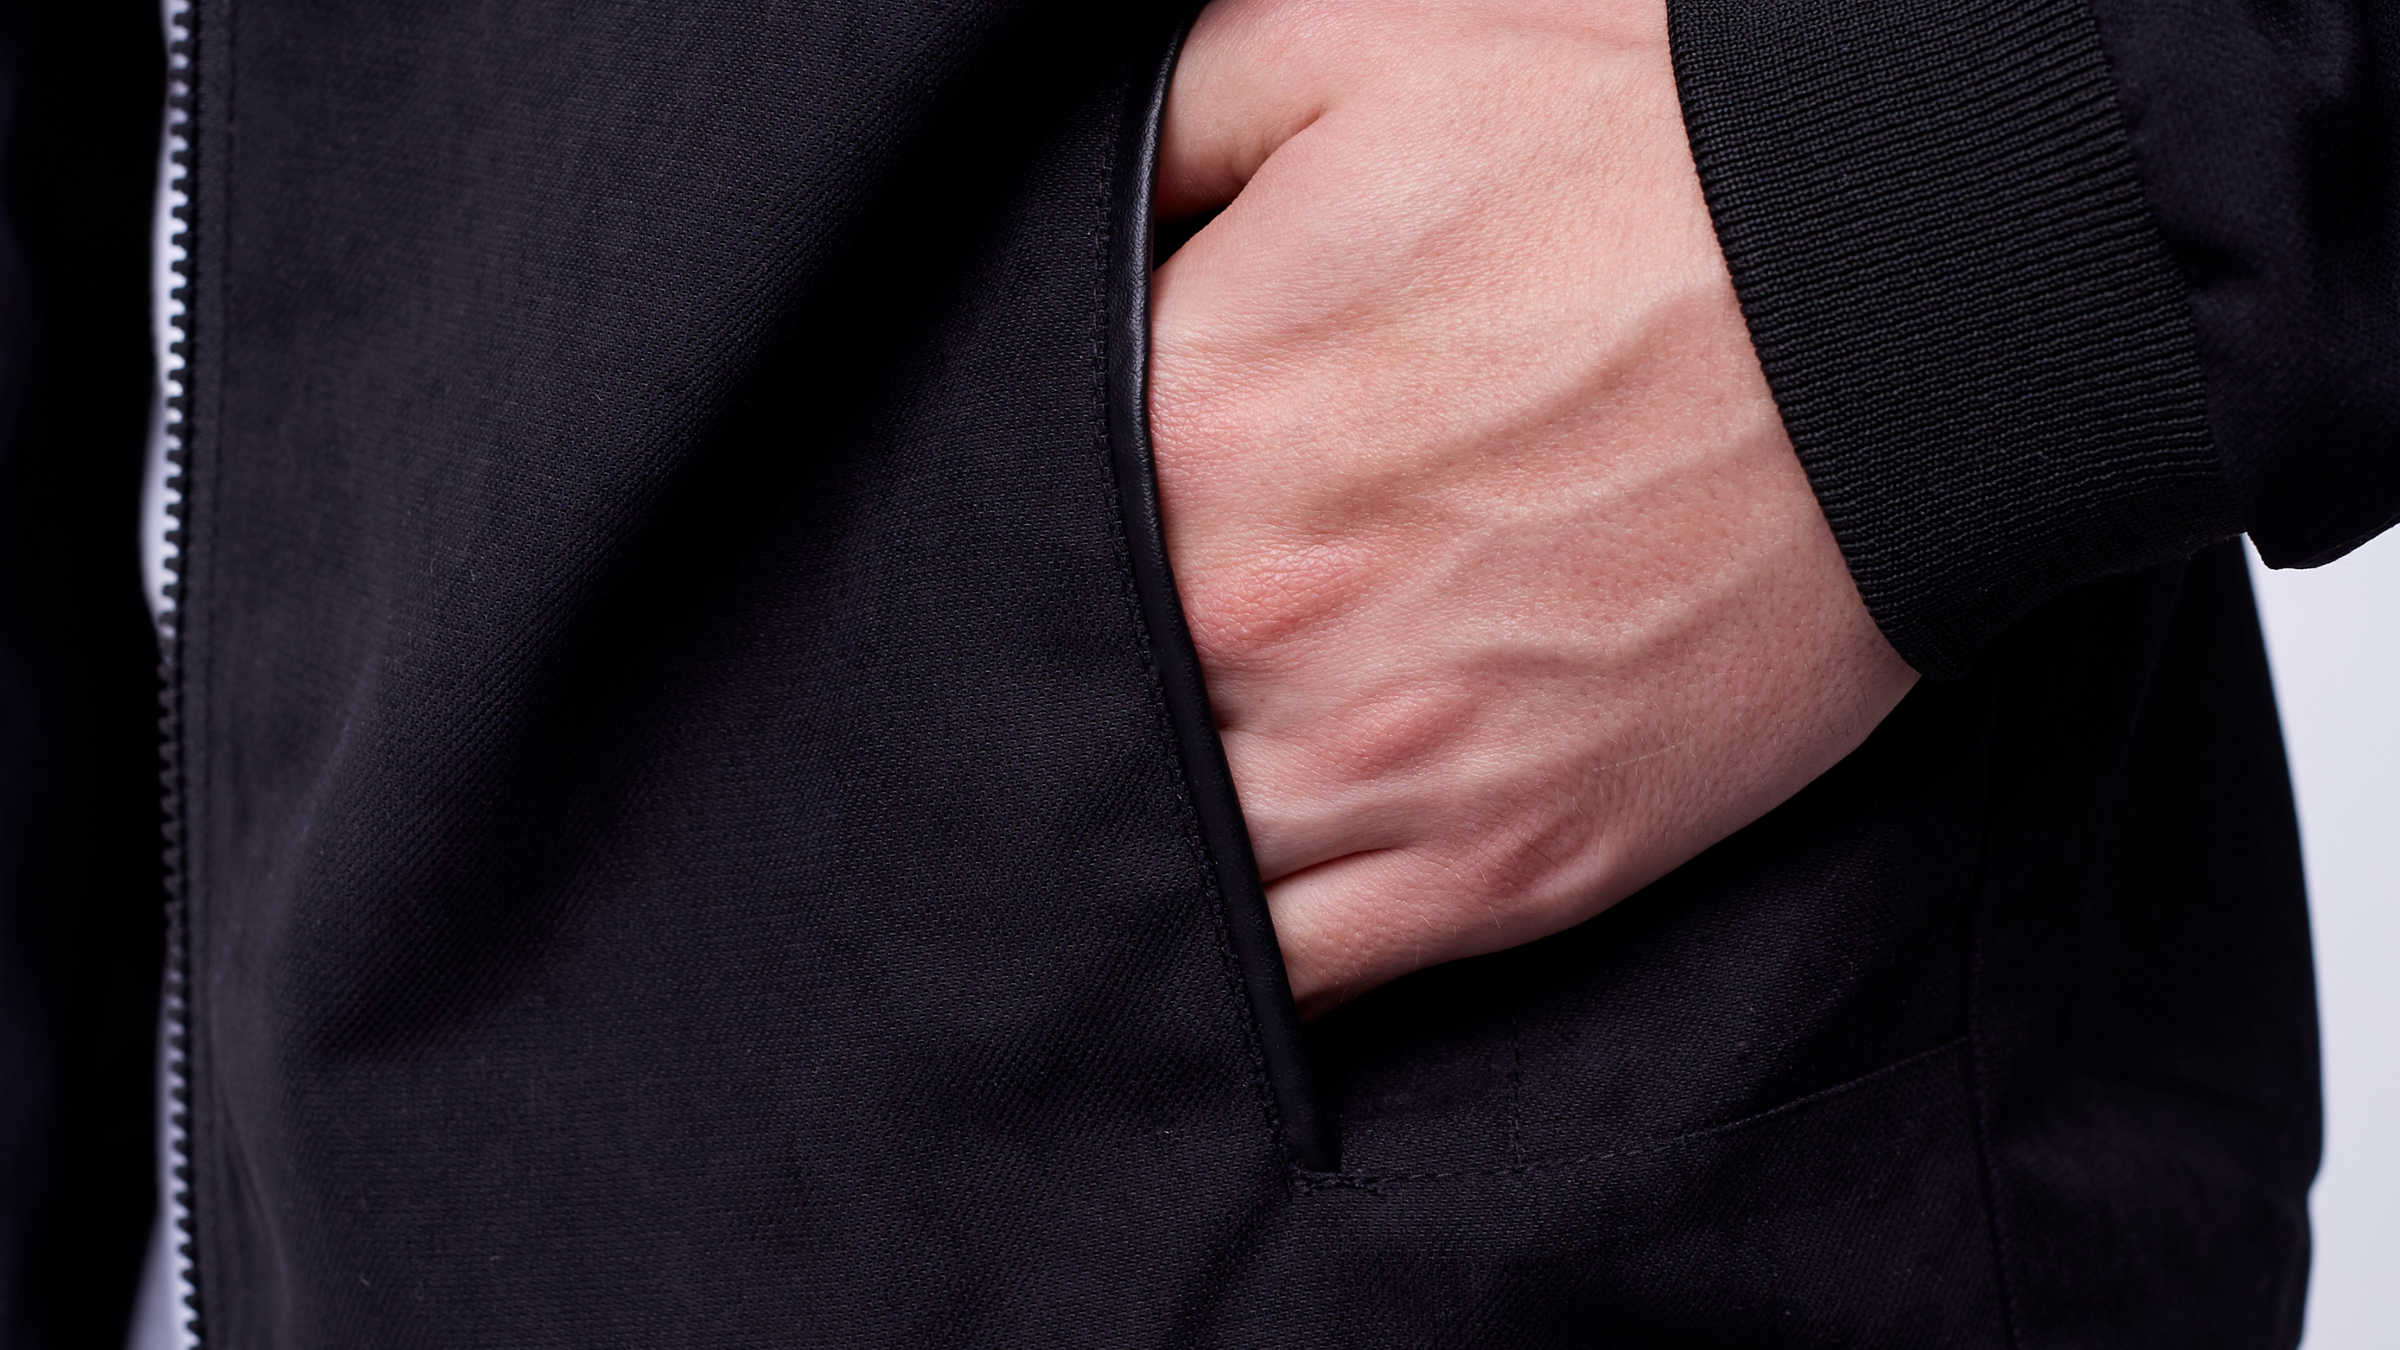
172, 281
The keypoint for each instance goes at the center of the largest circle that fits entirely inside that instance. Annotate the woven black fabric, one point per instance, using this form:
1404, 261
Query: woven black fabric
686, 843
1980, 348
80, 884
2143, 984
2269, 145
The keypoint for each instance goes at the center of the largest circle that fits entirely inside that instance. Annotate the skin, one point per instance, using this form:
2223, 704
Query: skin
1510, 592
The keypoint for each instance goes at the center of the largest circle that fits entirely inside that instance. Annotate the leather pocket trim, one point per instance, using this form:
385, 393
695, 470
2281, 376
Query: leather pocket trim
1224, 836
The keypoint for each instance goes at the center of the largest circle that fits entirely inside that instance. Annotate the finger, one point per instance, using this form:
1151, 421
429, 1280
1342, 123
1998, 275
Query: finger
1297, 819
1242, 88
1356, 922
1350, 924
1324, 777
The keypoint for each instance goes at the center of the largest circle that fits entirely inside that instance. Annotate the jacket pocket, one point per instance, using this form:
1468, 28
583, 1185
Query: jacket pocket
1241, 898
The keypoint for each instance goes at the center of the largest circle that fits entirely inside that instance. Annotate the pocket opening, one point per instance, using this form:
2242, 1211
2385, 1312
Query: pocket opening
1225, 838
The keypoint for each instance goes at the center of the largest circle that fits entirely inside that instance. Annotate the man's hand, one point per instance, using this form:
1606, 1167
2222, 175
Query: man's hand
1509, 590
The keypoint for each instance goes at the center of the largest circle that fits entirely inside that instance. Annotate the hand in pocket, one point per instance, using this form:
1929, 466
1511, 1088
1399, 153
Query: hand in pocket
1509, 589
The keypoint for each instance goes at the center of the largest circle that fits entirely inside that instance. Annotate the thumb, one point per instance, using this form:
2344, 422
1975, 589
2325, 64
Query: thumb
1249, 80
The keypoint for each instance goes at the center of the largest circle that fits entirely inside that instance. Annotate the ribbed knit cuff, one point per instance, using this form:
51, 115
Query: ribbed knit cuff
1980, 348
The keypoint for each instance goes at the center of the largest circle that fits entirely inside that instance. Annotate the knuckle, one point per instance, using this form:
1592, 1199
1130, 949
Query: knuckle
1399, 731
1515, 867
1241, 612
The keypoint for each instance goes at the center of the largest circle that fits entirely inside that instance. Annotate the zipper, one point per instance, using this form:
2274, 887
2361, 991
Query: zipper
171, 295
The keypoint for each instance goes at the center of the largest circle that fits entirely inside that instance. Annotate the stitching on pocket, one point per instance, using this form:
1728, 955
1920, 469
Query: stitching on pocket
1378, 1182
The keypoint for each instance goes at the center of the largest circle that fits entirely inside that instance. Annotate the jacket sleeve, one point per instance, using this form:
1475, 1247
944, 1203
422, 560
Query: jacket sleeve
2268, 142
2010, 299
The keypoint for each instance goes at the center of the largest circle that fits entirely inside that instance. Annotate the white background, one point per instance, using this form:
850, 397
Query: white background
2333, 634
